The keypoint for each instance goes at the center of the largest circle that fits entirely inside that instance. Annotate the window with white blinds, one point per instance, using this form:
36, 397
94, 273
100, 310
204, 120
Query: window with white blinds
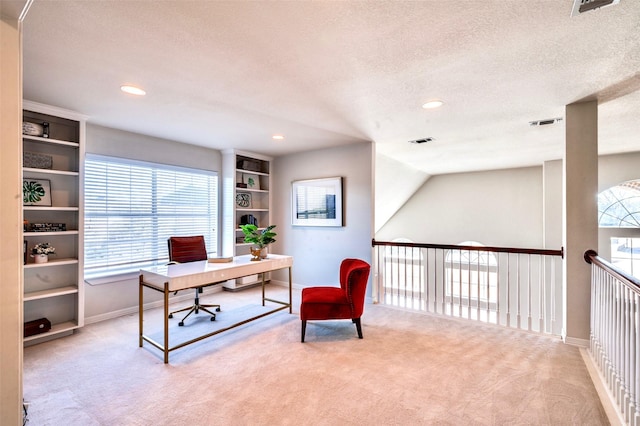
133, 207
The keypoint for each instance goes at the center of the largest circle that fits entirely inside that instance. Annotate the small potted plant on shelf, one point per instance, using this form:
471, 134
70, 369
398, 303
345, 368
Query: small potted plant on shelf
40, 252
259, 238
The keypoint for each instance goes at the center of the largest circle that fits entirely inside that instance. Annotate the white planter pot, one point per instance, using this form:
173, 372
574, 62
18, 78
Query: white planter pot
40, 258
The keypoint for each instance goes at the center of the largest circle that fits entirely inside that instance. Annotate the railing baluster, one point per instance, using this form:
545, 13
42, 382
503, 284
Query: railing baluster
541, 295
518, 292
498, 287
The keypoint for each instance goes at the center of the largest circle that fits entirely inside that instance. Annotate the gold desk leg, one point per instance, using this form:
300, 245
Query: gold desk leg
140, 304
290, 297
166, 323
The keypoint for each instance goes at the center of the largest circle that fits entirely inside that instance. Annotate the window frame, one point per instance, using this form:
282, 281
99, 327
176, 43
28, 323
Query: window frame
208, 213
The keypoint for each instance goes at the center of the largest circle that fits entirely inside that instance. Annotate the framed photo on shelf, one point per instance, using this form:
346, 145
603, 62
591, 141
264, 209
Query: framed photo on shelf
252, 181
317, 202
36, 192
243, 200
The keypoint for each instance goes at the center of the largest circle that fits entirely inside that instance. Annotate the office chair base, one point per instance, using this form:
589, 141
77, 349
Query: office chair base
195, 309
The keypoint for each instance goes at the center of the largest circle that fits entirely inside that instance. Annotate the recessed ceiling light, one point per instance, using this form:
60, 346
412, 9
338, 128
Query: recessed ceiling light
436, 103
133, 90
277, 137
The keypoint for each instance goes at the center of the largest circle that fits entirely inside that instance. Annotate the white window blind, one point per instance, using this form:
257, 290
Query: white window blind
133, 207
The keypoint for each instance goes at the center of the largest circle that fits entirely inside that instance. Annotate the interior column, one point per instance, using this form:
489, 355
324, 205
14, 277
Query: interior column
580, 222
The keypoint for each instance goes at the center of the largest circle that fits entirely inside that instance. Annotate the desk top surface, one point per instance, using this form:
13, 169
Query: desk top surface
193, 274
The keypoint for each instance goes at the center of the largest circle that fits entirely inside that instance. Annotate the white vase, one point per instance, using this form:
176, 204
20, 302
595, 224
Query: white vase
40, 258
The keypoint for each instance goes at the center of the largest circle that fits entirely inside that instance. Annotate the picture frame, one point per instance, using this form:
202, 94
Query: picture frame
317, 202
36, 192
252, 181
243, 200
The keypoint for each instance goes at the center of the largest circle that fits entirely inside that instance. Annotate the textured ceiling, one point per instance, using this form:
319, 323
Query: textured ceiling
231, 74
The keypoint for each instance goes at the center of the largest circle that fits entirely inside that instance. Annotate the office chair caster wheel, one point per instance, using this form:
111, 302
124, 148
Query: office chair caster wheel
213, 318
170, 315
218, 309
181, 323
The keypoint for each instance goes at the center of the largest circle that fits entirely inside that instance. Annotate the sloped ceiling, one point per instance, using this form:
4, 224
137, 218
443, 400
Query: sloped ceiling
231, 74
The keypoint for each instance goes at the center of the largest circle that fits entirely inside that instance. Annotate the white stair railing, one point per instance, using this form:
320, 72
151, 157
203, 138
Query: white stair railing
513, 287
615, 333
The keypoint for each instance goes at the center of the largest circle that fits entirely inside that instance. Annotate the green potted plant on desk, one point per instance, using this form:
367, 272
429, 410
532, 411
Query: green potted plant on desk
259, 238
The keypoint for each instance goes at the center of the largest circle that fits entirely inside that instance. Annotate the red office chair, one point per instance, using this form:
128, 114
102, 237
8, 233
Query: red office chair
344, 302
190, 249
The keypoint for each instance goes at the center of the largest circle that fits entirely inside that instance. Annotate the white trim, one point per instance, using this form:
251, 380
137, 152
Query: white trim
573, 341
606, 398
128, 276
286, 284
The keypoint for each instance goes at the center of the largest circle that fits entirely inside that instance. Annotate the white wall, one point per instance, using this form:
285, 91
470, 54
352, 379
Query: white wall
318, 251
495, 208
392, 193
102, 301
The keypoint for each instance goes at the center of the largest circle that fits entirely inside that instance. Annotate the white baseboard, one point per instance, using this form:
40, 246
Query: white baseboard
606, 398
573, 341
186, 296
286, 284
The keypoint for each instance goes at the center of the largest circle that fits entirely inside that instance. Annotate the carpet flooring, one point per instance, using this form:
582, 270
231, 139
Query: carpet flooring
410, 369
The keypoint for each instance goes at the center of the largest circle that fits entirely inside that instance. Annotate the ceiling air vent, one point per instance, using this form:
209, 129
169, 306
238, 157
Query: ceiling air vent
582, 6
423, 140
545, 122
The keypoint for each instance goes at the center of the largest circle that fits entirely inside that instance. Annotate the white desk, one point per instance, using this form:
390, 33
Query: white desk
169, 278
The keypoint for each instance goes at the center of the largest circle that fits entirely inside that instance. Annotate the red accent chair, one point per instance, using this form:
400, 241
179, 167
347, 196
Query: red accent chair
190, 249
344, 302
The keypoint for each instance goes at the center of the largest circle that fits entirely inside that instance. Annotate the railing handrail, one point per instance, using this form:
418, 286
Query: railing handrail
544, 252
591, 257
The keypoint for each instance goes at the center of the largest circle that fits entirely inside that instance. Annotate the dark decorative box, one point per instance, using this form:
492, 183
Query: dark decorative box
250, 165
38, 326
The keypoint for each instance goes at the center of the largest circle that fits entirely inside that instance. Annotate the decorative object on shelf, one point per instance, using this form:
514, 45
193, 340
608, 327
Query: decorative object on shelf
317, 202
251, 165
248, 219
243, 200
252, 181
36, 192
36, 160
241, 185
47, 227
33, 129
259, 238
41, 325
40, 252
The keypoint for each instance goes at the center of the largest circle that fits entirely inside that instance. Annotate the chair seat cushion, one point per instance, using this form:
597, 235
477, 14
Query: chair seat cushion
320, 303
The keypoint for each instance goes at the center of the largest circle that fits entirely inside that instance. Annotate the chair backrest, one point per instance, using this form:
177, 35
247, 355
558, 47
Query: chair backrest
187, 249
354, 275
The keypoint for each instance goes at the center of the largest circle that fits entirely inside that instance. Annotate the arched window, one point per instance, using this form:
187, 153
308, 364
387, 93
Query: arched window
619, 206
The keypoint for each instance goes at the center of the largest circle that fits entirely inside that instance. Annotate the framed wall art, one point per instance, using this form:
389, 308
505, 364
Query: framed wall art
252, 181
36, 192
317, 202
